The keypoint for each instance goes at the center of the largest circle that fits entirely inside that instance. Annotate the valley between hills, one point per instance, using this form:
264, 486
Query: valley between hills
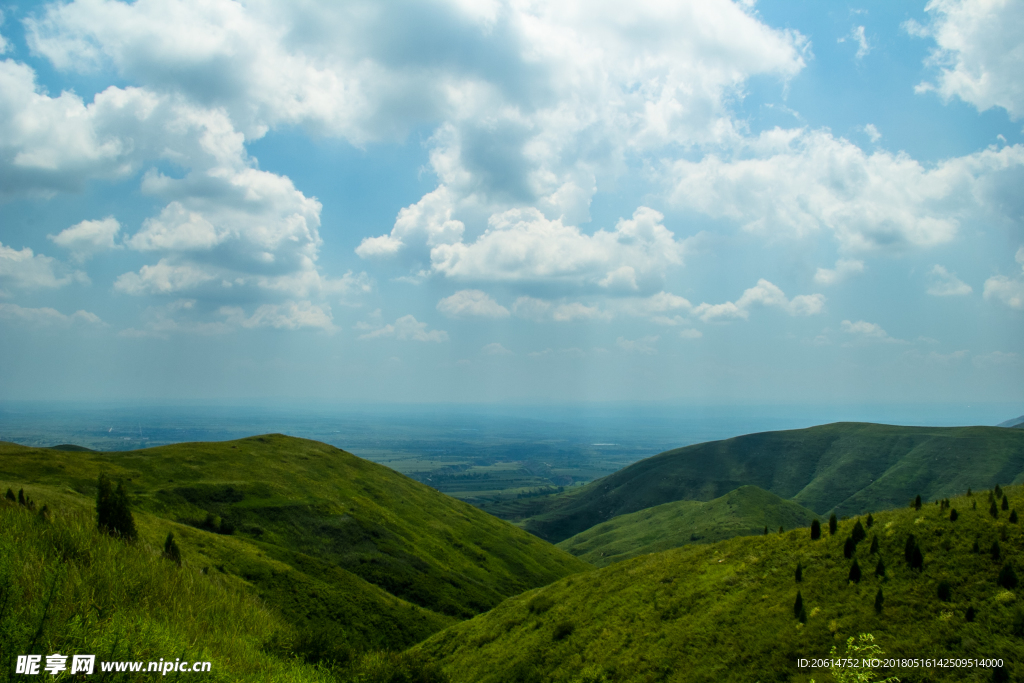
302, 562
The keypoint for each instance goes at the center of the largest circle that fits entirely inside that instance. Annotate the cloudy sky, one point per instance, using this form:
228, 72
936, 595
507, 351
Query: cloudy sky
486, 200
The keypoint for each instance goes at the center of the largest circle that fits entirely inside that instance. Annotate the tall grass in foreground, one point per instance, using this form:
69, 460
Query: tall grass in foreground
67, 588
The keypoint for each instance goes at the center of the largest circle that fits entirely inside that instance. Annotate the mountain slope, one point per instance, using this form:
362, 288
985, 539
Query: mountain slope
1015, 422
324, 537
744, 512
844, 467
726, 612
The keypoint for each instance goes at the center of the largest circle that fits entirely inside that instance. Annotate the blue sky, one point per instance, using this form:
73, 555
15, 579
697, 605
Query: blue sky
477, 201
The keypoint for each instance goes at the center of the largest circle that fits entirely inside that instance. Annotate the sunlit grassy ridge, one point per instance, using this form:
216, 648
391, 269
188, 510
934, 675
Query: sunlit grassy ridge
847, 468
746, 511
66, 588
725, 612
335, 544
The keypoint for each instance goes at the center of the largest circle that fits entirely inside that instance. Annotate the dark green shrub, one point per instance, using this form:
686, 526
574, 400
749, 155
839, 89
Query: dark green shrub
944, 591
564, 629
975, 548
1006, 503
858, 534
879, 599
880, 568
10, 496
870, 520
908, 549
953, 515
994, 551
113, 515
970, 614
802, 617
798, 605
171, 550
854, 572
917, 559
1013, 517
998, 492
848, 547
540, 604
917, 502
1007, 577
832, 524
993, 510
874, 545
765, 529
21, 496
799, 573
815, 530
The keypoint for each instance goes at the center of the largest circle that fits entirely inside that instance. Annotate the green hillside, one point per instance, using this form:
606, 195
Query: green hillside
727, 612
333, 543
744, 512
846, 467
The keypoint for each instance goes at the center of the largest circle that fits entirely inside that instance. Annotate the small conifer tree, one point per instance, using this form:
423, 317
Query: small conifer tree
802, 616
113, 514
171, 550
765, 529
993, 510
879, 599
880, 568
997, 491
995, 552
1006, 503
944, 591
858, 534
1013, 516
815, 530
832, 524
971, 613
953, 515
908, 549
1007, 577
969, 491
798, 605
917, 558
780, 529
799, 573
974, 505
21, 496
917, 502
848, 547
855, 572
870, 520
874, 545
10, 496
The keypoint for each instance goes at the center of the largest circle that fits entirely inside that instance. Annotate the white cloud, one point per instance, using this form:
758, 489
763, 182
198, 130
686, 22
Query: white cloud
1008, 290
794, 183
872, 132
521, 245
865, 331
996, 359
691, 334
406, 328
162, 278
540, 310
945, 283
471, 302
979, 53
289, 315
643, 346
47, 317
28, 270
425, 224
844, 268
88, 238
495, 349
764, 293
857, 35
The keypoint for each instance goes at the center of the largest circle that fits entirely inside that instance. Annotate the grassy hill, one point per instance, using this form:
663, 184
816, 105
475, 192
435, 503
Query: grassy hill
847, 468
353, 554
744, 512
726, 612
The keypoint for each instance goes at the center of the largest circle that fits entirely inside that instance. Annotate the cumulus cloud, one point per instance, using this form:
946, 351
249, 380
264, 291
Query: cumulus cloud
1010, 291
540, 310
864, 331
27, 270
289, 315
978, 52
843, 269
795, 183
47, 317
495, 349
764, 293
691, 334
945, 283
471, 302
406, 328
645, 346
521, 245
88, 238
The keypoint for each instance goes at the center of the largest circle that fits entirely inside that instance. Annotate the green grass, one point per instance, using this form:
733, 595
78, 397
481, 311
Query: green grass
333, 544
725, 612
847, 468
743, 512
65, 587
